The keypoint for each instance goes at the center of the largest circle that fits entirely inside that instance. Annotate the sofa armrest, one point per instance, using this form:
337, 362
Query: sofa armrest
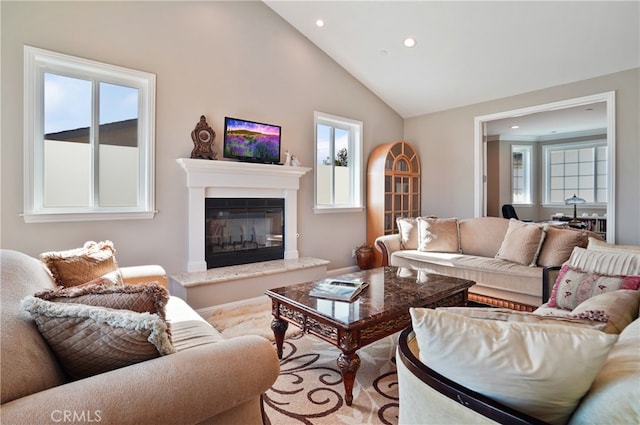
549, 275
143, 274
387, 244
182, 388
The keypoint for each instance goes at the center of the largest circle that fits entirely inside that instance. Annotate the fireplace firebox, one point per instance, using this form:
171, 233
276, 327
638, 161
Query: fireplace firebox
243, 230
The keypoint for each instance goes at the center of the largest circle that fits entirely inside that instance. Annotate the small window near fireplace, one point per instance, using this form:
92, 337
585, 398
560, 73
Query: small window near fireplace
243, 230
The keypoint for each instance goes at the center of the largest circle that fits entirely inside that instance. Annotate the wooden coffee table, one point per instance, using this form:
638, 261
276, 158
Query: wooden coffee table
379, 311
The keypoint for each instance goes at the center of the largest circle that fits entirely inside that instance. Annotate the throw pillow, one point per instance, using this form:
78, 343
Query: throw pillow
148, 297
616, 308
537, 369
90, 340
521, 243
408, 230
81, 265
438, 234
606, 262
508, 315
558, 245
573, 286
598, 245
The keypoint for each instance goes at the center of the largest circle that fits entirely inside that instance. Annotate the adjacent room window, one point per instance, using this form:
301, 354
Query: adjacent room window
88, 139
339, 164
520, 174
579, 168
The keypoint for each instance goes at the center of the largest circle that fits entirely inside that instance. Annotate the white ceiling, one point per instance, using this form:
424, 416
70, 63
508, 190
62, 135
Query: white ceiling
468, 52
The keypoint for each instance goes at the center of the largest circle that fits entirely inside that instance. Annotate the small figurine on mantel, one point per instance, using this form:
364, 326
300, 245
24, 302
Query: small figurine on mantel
294, 161
287, 158
202, 137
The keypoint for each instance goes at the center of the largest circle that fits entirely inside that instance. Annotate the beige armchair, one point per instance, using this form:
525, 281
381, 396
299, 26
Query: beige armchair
208, 380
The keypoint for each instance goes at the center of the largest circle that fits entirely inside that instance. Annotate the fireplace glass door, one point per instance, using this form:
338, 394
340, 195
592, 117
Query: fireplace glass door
243, 230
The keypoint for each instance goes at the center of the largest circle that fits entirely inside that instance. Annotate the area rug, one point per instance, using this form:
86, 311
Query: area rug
253, 318
309, 389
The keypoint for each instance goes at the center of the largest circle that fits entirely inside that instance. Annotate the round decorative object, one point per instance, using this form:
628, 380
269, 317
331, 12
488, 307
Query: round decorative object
202, 137
364, 257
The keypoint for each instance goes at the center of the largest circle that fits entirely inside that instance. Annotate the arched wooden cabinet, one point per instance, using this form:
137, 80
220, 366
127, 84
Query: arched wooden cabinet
393, 189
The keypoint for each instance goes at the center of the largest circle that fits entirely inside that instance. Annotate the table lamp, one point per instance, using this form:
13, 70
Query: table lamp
574, 200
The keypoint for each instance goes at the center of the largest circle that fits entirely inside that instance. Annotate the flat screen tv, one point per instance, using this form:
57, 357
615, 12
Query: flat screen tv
251, 141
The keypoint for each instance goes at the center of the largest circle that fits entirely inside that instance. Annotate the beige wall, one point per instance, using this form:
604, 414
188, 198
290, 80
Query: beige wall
445, 142
219, 59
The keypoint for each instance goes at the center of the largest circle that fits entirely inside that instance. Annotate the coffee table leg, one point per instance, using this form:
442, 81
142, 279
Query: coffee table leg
349, 363
279, 327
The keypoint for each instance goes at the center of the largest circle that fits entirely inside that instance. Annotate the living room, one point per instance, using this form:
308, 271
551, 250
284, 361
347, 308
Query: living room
242, 59
200, 73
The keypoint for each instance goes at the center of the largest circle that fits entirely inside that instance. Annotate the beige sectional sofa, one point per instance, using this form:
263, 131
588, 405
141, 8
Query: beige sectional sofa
208, 379
555, 365
504, 257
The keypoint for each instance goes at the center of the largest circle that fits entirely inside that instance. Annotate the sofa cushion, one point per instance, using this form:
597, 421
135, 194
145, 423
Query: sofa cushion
599, 245
482, 236
81, 265
408, 231
611, 262
90, 340
558, 245
438, 234
614, 394
541, 370
188, 328
521, 243
148, 297
573, 286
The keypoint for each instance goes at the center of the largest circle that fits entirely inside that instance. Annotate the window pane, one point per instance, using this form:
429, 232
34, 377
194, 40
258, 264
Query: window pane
67, 153
557, 157
118, 139
586, 155
557, 196
571, 155
571, 170
571, 183
342, 180
323, 148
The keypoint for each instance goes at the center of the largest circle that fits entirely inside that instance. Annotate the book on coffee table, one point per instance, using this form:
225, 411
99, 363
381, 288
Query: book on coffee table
338, 289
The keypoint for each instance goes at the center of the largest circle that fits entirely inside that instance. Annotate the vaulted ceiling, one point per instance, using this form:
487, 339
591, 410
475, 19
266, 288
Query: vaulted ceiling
468, 52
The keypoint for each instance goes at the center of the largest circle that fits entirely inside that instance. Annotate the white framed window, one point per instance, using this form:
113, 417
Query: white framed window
578, 168
521, 174
88, 139
338, 164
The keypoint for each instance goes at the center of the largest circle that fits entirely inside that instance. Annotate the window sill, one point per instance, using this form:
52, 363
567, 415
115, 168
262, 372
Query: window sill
97, 216
332, 210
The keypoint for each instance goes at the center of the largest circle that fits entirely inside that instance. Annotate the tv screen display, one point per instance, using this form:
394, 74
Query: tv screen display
251, 141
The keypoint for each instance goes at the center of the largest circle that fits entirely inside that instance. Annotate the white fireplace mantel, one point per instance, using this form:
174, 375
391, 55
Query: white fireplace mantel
230, 179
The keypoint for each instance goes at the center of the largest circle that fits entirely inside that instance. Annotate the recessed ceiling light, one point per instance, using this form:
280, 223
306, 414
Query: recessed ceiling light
383, 52
513, 127
409, 42
320, 23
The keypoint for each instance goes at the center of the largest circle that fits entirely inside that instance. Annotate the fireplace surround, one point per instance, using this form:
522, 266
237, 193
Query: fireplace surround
230, 179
